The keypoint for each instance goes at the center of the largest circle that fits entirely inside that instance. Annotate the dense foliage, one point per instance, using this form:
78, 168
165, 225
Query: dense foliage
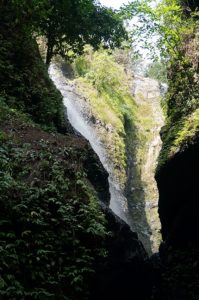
182, 108
72, 24
161, 25
69, 24
170, 28
51, 228
178, 42
157, 70
24, 82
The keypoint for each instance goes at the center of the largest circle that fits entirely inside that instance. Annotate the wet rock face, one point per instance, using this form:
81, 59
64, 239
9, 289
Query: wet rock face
142, 155
98, 176
178, 203
179, 214
125, 273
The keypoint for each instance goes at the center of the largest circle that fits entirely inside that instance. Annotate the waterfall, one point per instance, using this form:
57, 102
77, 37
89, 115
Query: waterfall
82, 124
140, 208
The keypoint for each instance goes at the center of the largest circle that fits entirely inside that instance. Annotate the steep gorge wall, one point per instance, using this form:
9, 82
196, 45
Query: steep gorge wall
178, 205
177, 171
178, 179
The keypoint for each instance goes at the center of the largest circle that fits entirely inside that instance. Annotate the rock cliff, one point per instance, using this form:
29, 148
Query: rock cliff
177, 178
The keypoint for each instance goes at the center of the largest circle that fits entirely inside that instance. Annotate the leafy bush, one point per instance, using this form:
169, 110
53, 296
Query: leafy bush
81, 66
51, 227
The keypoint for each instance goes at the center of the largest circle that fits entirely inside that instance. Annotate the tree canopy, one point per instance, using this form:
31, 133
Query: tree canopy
157, 70
72, 24
162, 24
69, 24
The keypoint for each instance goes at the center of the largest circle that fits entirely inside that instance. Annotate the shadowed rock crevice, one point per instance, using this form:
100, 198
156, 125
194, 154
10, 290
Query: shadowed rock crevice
179, 189
126, 270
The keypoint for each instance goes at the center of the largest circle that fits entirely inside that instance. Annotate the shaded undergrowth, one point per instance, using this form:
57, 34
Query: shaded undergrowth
51, 226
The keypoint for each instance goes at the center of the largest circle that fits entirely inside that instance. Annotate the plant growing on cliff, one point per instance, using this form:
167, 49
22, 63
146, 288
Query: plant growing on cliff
24, 82
177, 42
105, 83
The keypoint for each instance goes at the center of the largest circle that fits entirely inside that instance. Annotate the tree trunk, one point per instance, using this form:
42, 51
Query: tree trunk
49, 54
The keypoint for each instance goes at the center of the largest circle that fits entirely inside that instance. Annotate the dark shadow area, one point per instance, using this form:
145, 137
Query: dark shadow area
179, 213
126, 272
178, 203
67, 70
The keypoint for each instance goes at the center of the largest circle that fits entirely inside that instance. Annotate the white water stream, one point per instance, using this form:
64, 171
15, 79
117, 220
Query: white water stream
78, 120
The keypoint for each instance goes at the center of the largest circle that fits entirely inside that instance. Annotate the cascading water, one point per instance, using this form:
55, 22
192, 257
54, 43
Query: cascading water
79, 121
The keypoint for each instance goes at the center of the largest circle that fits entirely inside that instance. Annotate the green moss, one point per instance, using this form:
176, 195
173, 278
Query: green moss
182, 109
188, 131
180, 136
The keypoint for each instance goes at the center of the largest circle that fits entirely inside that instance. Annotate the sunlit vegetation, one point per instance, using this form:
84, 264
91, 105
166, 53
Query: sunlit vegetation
171, 27
181, 103
157, 70
106, 84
